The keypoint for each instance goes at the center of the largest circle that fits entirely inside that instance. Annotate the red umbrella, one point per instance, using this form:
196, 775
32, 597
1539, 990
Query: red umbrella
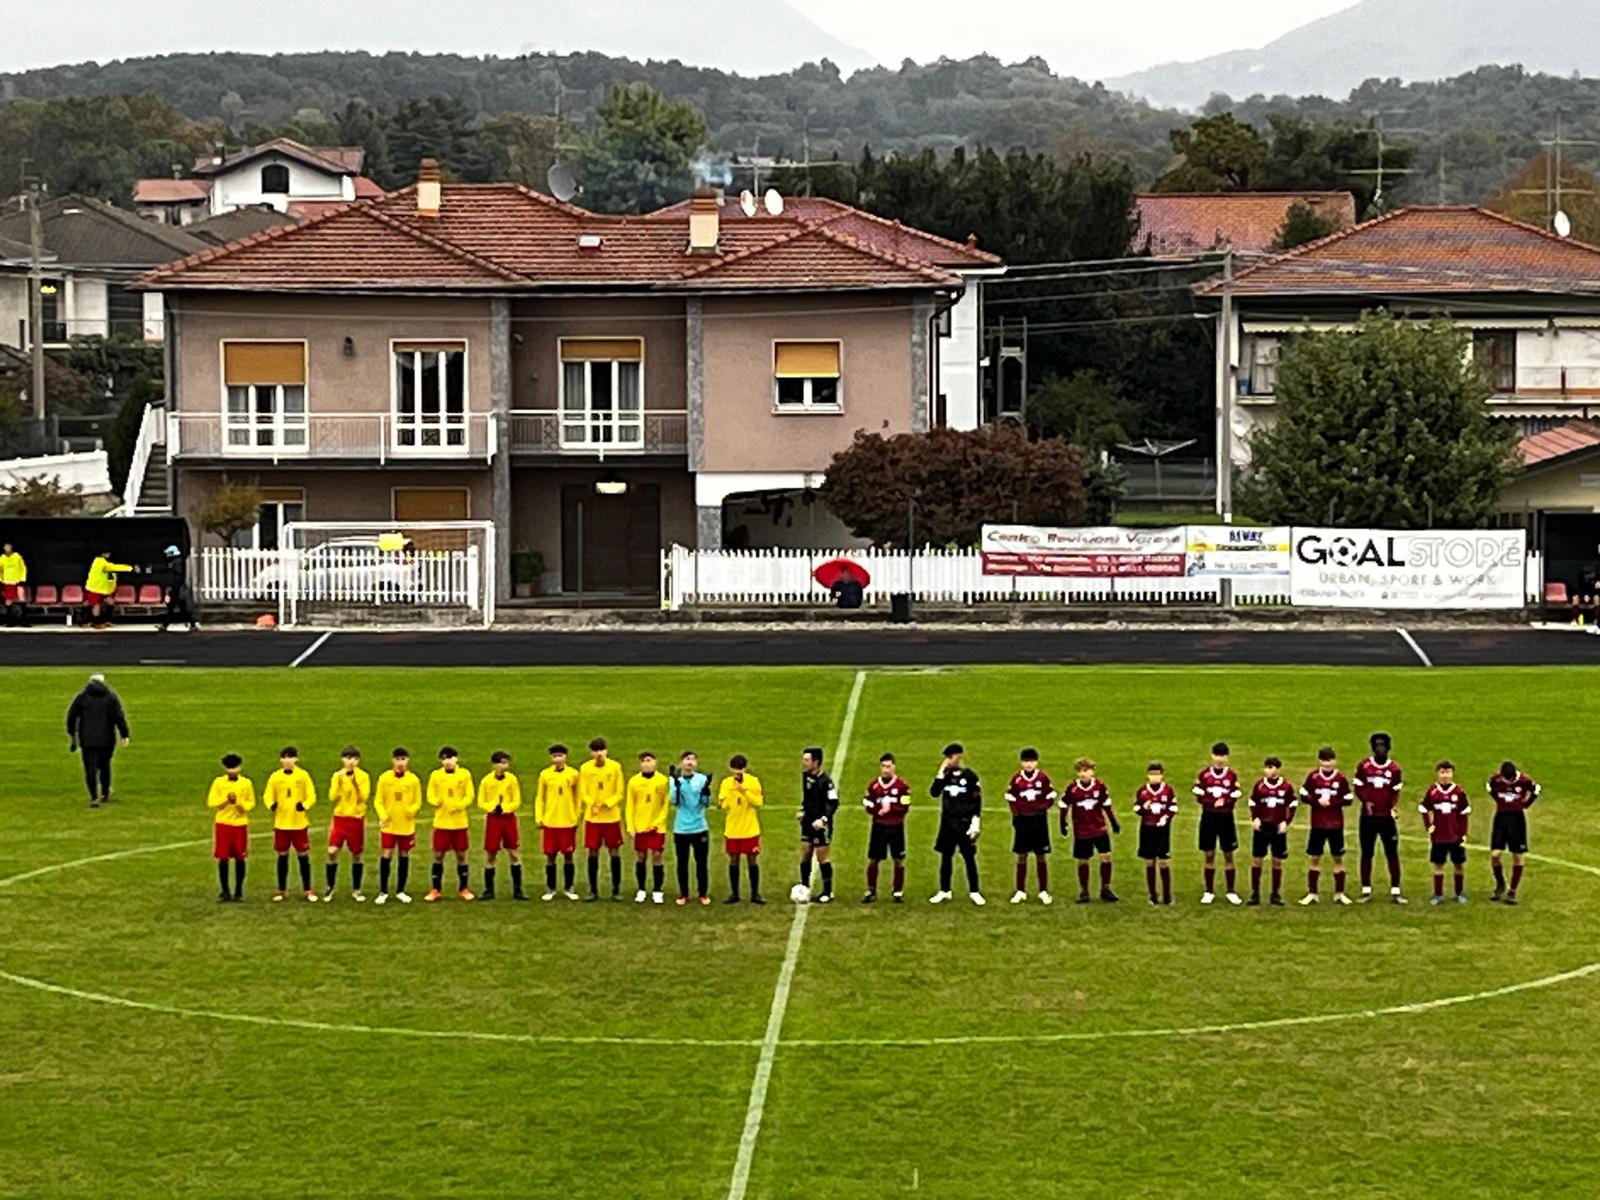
835, 569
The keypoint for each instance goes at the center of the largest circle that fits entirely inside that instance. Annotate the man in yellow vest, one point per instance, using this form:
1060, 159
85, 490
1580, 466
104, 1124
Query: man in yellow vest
13, 574
102, 585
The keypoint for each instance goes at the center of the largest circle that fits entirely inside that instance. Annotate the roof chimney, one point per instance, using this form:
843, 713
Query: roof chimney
429, 192
704, 221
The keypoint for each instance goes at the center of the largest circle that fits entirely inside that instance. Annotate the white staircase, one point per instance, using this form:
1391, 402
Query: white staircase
148, 491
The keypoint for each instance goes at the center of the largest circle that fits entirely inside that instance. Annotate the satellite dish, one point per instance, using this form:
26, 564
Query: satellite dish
774, 203
747, 203
1563, 224
563, 185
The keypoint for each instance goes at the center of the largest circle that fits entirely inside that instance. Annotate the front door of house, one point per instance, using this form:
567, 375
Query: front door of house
620, 542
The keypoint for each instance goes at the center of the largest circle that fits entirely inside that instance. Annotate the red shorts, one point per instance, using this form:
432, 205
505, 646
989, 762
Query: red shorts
560, 839
349, 833
12, 592
403, 842
501, 833
738, 846
450, 839
231, 841
96, 597
650, 843
285, 839
606, 833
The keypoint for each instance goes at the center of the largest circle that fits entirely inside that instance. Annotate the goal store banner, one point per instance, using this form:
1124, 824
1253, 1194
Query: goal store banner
1321, 568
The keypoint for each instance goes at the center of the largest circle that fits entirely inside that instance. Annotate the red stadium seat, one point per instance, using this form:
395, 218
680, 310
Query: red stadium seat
46, 596
150, 594
72, 594
124, 594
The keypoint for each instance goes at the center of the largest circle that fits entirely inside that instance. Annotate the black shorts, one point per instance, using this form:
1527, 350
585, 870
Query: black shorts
1155, 841
1510, 832
1030, 834
1270, 841
886, 841
953, 837
815, 837
1440, 852
1218, 829
1329, 841
1379, 829
1088, 847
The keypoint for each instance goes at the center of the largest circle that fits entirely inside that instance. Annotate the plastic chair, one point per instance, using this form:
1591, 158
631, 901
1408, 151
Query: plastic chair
150, 595
124, 595
72, 595
46, 596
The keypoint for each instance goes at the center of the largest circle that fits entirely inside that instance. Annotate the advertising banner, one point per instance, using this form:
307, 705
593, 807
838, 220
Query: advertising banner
1422, 569
1234, 550
1107, 552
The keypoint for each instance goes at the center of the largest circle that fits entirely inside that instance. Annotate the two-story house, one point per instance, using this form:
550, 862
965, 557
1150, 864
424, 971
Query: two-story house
597, 386
282, 174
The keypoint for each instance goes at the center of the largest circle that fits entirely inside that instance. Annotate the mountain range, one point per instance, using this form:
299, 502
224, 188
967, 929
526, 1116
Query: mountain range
747, 36
1383, 39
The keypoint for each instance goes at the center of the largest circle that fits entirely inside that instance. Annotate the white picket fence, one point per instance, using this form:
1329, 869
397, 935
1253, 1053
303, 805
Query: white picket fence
339, 574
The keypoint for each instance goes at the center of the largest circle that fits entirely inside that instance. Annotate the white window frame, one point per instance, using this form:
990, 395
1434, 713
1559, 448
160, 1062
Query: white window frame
286, 433
250, 539
626, 429
808, 407
418, 424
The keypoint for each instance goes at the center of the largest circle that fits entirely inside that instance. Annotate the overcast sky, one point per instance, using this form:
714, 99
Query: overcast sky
1087, 38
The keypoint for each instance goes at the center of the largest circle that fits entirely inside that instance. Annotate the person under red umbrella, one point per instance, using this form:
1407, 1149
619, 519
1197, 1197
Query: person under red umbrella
845, 580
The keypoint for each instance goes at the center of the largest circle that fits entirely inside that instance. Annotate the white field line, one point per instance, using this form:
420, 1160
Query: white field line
780, 994
1415, 649
311, 649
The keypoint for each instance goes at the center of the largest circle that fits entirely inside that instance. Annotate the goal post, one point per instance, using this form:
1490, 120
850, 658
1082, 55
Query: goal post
393, 573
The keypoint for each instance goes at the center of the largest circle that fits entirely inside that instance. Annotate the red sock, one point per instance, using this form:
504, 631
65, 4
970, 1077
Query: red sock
1499, 874
1105, 875
1150, 878
1022, 874
1394, 871
1231, 874
1516, 876
1438, 883
1255, 881
1166, 882
1083, 878
1211, 879
1461, 884
1313, 878
1044, 873
1277, 877
872, 876
1366, 872
1338, 883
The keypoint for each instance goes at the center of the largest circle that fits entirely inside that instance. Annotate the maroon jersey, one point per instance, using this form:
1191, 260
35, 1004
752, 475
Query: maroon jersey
1156, 805
1377, 786
1030, 795
1217, 791
1447, 809
887, 800
1088, 802
1272, 802
1326, 793
1513, 795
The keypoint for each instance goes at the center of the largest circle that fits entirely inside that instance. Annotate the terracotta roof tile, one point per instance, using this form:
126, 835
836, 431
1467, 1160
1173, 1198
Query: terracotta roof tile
1551, 444
170, 191
1172, 223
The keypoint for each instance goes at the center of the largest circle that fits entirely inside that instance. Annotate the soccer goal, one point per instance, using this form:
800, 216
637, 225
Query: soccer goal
418, 573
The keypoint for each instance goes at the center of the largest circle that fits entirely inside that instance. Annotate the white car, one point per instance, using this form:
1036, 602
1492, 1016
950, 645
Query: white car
352, 568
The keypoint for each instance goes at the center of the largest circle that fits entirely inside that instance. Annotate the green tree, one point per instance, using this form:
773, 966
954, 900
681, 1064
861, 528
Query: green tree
636, 156
1087, 409
520, 149
41, 496
95, 145
124, 432
114, 366
1302, 224
230, 510
1309, 156
958, 479
1387, 426
1216, 154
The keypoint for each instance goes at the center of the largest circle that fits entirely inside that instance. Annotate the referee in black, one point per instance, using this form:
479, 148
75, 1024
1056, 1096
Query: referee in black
95, 724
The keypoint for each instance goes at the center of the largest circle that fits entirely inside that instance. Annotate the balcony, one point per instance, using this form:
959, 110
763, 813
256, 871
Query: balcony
1551, 381
328, 437
600, 435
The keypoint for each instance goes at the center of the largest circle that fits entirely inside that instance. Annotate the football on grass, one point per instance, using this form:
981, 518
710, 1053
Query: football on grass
800, 893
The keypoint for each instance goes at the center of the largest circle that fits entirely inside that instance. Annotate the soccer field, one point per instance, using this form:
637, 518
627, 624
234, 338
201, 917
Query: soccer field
155, 1043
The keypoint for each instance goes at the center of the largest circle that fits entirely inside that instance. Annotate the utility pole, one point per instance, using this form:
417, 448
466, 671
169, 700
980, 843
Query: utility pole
36, 300
1225, 395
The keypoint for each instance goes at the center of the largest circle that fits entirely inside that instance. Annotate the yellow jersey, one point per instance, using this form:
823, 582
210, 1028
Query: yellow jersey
740, 799
555, 803
349, 793
398, 800
103, 575
600, 789
231, 800
504, 794
450, 792
648, 805
285, 790
13, 568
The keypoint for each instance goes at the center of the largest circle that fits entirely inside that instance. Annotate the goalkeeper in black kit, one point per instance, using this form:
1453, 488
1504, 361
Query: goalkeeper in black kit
819, 801
960, 803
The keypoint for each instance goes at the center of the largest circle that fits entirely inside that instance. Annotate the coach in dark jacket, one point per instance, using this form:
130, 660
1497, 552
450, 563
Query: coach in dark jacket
95, 723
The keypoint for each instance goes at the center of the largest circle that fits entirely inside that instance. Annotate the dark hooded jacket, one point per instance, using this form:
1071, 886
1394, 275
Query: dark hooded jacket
96, 717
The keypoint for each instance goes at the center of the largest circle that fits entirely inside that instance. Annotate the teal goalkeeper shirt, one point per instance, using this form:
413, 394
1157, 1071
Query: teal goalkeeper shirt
690, 796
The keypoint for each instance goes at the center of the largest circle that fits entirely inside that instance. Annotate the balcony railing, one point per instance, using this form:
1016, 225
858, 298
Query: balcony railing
547, 431
1582, 381
345, 437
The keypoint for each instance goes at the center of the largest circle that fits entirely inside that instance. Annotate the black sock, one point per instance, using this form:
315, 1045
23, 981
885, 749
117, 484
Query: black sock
357, 874
404, 873
827, 879
488, 880
659, 877
305, 871
384, 865
755, 878
437, 876
638, 874
805, 872
462, 878
569, 872
733, 878
516, 879
594, 874
238, 879
222, 876
283, 872
550, 875
616, 874
332, 873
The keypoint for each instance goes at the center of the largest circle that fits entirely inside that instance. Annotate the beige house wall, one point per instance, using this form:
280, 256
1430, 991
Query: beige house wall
1574, 487
538, 325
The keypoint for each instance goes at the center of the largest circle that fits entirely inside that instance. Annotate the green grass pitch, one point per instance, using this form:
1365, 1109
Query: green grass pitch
940, 1052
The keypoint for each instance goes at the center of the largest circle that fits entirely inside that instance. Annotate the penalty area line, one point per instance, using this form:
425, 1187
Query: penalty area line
1405, 635
311, 649
754, 1111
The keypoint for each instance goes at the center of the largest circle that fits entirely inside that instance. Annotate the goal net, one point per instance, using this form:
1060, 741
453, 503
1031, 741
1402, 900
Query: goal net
415, 573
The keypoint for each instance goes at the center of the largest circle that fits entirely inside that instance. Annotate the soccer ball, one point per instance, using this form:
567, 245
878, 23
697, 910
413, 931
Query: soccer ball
800, 894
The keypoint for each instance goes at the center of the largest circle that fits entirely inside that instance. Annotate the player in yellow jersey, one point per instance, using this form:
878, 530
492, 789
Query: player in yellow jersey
397, 801
450, 793
348, 792
740, 796
647, 812
556, 810
289, 794
500, 795
600, 788
231, 798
